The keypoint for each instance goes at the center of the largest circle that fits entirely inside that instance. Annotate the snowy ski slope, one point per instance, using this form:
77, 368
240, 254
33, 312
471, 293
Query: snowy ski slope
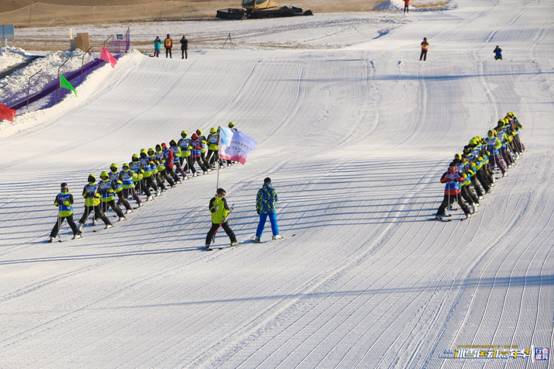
355, 140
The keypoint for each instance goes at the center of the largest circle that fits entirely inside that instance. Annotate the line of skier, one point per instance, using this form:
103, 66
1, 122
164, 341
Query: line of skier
471, 174
148, 173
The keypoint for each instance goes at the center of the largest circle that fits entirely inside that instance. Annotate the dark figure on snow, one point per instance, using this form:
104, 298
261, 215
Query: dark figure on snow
64, 202
497, 53
406, 6
184, 47
220, 212
168, 44
424, 49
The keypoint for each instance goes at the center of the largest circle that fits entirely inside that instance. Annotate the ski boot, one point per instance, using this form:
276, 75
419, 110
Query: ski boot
277, 237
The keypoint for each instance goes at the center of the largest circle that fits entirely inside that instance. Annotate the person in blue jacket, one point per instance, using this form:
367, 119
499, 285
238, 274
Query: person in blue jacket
64, 203
265, 207
157, 46
497, 53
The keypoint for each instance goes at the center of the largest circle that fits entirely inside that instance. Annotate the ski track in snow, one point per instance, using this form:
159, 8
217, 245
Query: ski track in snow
355, 140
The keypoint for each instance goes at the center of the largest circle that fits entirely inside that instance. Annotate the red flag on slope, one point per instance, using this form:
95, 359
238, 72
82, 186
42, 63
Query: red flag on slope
107, 56
6, 113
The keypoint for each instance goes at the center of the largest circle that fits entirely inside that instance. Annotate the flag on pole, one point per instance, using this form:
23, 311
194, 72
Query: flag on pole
108, 57
234, 145
6, 113
64, 83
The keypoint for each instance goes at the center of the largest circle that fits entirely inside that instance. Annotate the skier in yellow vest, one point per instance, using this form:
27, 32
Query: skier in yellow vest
220, 212
64, 202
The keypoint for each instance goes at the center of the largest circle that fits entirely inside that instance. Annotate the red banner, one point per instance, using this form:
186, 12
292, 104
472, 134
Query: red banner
6, 113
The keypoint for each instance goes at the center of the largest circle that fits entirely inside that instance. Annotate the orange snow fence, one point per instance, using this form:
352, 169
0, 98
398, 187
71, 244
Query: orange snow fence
6, 113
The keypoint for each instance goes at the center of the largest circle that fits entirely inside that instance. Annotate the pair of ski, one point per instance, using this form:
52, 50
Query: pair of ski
243, 242
448, 218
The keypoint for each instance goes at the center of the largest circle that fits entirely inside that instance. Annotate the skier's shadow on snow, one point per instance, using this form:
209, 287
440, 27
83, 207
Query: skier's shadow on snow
470, 283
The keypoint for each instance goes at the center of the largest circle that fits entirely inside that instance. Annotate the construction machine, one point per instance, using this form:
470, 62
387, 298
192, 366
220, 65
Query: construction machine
253, 9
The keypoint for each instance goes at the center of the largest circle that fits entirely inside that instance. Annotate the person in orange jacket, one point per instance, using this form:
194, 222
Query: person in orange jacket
452, 192
168, 44
424, 49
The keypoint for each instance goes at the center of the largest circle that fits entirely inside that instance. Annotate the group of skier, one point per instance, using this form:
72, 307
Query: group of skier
148, 173
471, 174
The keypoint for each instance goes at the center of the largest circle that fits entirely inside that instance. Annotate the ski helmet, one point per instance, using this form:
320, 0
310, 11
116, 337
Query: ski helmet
194, 136
104, 174
184, 134
125, 166
221, 191
91, 178
113, 167
231, 124
213, 130
199, 132
135, 157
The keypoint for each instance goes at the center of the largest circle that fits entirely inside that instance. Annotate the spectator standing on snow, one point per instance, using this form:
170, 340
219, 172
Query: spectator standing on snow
157, 46
406, 6
424, 49
168, 44
219, 212
497, 53
265, 207
184, 47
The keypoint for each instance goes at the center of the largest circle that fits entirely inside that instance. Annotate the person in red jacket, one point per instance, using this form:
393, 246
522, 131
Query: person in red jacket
452, 192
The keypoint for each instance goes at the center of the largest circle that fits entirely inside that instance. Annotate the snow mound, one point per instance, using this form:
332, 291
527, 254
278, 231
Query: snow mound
36, 75
10, 56
88, 88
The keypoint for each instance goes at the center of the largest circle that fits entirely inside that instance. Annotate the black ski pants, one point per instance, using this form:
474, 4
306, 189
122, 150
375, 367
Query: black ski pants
449, 200
213, 157
132, 193
200, 162
111, 204
211, 234
122, 199
184, 54
469, 196
98, 213
423, 55
59, 222
168, 52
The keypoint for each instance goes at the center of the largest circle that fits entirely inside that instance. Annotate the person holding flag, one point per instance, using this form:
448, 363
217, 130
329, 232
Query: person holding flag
219, 213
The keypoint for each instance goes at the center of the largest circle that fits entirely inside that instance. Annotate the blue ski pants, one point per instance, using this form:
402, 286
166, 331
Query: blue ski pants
272, 219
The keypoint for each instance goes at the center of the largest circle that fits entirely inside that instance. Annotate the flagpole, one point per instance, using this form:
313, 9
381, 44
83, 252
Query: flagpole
218, 162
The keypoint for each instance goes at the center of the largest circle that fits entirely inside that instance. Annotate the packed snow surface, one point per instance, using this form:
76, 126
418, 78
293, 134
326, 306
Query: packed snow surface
10, 56
355, 140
